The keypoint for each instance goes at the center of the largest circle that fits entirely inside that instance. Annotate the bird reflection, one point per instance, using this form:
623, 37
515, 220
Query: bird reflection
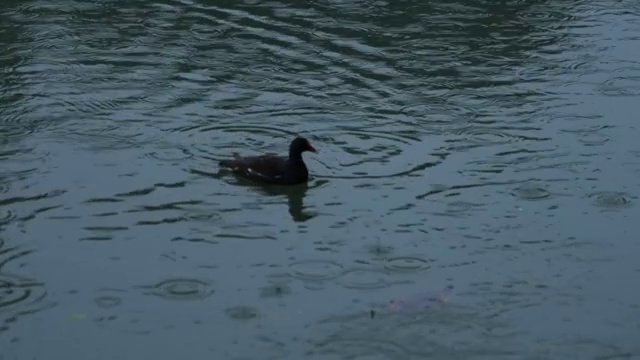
295, 195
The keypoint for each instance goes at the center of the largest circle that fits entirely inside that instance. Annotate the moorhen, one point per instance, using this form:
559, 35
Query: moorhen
274, 169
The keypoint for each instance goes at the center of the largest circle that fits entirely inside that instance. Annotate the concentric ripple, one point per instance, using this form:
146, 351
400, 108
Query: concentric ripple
315, 270
6, 216
590, 135
258, 138
182, 289
610, 199
367, 153
18, 294
364, 279
107, 301
593, 139
483, 136
171, 154
530, 192
407, 264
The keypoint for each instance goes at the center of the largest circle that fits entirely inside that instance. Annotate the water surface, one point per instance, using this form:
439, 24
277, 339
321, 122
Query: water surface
486, 147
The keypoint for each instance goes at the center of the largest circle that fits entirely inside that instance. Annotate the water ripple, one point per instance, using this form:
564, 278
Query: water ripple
18, 295
407, 264
364, 279
482, 136
361, 150
102, 233
171, 154
106, 138
611, 199
531, 192
107, 301
591, 135
275, 291
7, 216
315, 270
22, 199
446, 189
258, 138
182, 289
114, 101
460, 209
12, 253
242, 312
176, 205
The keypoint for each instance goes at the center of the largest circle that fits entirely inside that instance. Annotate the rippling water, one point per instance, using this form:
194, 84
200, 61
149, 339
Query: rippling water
484, 146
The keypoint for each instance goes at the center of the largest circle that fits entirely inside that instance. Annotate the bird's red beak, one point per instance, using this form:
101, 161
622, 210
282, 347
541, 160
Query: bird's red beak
312, 149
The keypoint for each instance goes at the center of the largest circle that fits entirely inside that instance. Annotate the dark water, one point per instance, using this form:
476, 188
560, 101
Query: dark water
487, 147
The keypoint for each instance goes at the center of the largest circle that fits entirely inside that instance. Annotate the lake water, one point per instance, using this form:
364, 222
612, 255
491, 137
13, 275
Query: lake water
483, 147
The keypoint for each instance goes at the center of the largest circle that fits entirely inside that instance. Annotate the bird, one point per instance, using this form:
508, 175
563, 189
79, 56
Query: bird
272, 169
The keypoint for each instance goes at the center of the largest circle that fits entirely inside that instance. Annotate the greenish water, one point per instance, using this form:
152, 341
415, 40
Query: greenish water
487, 147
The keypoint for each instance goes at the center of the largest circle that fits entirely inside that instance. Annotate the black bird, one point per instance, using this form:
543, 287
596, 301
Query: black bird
274, 169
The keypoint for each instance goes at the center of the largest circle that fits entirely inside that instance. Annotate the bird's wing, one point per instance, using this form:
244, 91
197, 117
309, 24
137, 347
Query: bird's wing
268, 167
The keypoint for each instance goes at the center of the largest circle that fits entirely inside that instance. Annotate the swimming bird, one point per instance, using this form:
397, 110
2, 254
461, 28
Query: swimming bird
274, 169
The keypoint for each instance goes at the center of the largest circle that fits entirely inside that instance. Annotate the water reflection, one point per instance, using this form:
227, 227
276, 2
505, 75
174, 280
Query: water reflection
512, 106
295, 199
295, 194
